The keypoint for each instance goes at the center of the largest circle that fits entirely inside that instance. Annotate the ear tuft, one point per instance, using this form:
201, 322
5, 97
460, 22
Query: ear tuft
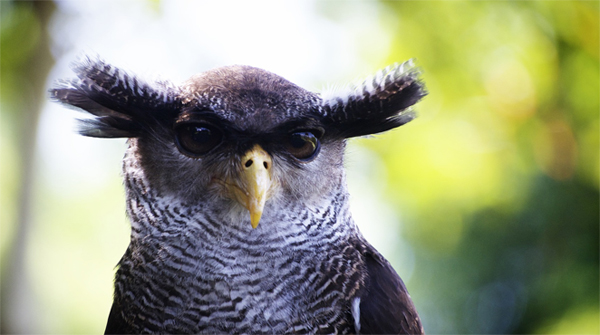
122, 105
379, 103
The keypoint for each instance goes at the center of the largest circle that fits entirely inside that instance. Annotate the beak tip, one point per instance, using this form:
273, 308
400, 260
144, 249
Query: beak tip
254, 220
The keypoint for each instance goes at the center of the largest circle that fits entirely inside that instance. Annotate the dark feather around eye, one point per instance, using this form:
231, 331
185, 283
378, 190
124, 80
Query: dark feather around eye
303, 145
197, 139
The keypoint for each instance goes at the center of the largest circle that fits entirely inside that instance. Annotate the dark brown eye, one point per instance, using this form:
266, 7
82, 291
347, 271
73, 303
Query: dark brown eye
197, 139
303, 145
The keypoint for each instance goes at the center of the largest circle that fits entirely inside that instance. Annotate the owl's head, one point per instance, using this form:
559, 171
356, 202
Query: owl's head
239, 134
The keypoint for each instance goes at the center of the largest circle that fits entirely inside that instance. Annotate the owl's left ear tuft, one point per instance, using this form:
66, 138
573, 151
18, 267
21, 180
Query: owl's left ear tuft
121, 104
379, 103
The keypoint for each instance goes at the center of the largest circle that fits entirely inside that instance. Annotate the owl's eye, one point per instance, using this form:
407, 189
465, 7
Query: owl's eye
197, 139
303, 145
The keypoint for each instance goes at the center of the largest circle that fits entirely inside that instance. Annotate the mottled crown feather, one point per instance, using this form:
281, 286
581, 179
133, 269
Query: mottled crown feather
118, 101
379, 103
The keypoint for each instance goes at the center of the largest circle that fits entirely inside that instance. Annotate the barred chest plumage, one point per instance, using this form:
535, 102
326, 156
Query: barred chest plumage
192, 269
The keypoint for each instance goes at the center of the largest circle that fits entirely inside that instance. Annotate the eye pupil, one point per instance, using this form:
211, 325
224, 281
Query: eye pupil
201, 134
303, 145
197, 139
298, 140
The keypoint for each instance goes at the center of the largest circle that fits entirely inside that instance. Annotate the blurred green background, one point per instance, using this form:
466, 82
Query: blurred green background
487, 205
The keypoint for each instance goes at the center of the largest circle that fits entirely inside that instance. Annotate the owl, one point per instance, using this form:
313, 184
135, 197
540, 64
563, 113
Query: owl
236, 193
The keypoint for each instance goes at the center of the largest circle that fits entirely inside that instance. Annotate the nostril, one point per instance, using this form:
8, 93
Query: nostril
266, 165
248, 163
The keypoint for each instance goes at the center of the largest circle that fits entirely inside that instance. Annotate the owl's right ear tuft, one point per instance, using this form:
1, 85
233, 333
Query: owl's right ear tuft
377, 104
121, 104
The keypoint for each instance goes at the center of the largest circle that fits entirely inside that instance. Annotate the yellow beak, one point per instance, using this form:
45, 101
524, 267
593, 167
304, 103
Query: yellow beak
252, 187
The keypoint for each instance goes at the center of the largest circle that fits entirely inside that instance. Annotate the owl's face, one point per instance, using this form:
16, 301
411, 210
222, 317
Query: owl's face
245, 135
239, 136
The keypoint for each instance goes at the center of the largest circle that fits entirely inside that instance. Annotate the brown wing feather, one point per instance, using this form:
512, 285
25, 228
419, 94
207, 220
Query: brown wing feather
116, 324
385, 305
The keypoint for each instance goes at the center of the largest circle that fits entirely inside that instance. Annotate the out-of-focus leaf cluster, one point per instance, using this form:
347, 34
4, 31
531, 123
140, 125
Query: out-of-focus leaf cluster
497, 180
